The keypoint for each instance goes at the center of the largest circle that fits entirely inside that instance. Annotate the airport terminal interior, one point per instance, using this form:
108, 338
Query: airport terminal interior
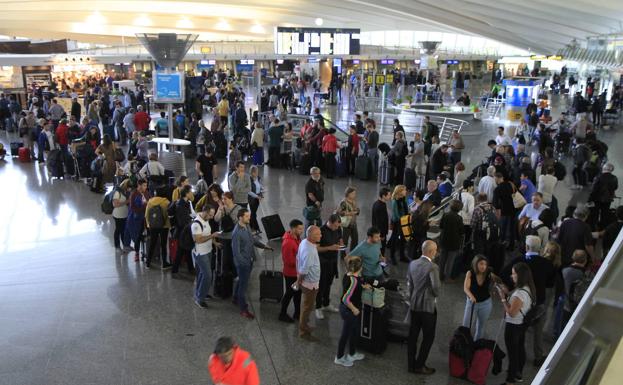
165, 166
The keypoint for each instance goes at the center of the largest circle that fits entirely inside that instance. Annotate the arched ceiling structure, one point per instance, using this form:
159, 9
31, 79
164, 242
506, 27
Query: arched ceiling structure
537, 26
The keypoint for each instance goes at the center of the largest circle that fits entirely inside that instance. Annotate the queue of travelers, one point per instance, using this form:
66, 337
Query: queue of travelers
499, 226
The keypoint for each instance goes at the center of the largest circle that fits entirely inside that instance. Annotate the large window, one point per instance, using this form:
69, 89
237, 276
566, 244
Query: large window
450, 42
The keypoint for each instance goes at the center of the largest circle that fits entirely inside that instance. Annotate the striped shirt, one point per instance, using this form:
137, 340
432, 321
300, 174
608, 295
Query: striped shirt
351, 292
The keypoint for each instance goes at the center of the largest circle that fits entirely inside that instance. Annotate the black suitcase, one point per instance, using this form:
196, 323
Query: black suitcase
305, 164
271, 282
220, 144
223, 280
373, 332
410, 179
15, 146
55, 164
363, 168
69, 164
273, 227
384, 172
398, 305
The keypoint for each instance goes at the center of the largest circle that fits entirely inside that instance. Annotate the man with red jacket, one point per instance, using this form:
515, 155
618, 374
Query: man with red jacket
230, 365
62, 135
289, 248
141, 120
329, 149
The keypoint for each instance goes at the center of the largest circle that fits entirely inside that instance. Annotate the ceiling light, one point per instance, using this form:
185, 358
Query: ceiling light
184, 23
319, 21
143, 21
222, 25
257, 29
96, 18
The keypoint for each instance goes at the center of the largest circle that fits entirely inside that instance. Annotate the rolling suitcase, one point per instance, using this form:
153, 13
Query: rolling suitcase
271, 282
55, 164
398, 306
410, 179
223, 280
485, 352
69, 164
24, 154
273, 227
373, 332
461, 351
220, 144
384, 171
15, 146
363, 168
341, 166
305, 164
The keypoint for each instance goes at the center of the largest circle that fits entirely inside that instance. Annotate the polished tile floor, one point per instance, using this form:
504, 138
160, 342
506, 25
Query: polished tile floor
74, 312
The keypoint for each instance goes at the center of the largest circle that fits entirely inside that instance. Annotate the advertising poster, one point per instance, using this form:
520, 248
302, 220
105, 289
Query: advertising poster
168, 87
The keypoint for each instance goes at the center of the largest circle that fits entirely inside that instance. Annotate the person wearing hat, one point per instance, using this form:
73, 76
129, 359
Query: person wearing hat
603, 193
231, 365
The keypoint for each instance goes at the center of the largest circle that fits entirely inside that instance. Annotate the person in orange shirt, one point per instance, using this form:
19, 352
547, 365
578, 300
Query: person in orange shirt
230, 365
329, 149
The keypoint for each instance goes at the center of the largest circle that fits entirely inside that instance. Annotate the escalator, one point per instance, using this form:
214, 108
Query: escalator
590, 349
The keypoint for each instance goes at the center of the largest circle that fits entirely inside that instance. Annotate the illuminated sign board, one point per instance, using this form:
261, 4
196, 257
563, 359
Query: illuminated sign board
168, 87
316, 41
388, 61
450, 62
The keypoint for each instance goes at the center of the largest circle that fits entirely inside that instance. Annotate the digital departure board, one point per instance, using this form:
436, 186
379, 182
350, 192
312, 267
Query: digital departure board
316, 41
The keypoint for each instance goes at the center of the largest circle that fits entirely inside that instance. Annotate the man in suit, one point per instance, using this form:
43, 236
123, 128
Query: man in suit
424, 284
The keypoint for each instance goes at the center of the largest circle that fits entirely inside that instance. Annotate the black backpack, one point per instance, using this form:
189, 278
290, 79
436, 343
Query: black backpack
107, 206
186, 240
533, 314
491, 226
156, 217
560, 171
227, 223
578, 288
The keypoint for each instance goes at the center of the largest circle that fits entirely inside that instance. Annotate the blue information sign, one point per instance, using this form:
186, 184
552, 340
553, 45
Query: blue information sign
168, 87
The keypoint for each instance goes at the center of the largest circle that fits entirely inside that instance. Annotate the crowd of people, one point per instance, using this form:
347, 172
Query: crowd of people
500, 225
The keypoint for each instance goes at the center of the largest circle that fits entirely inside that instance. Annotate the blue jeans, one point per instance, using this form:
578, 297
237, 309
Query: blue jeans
482, 310
203, 263
244, 273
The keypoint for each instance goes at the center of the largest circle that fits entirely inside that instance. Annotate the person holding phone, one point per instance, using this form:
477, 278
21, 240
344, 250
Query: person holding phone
350, 310
202, 253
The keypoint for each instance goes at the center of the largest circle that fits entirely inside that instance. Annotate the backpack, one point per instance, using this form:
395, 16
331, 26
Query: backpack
406, 226
227, 223
533, 314
171, 212
560, 171
156, 217
186, 240
578, 288
491, 226
107, 206
534, 230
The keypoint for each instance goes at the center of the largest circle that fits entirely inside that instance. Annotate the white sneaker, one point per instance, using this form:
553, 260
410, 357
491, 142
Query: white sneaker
343, 361
331, 309
319, 314
355, 357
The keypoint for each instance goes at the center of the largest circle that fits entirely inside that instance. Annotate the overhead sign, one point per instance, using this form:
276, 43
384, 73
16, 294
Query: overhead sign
168, 87
450, 62
316, 41
387, 62
554, 57
247, 62
538, 57
206, 49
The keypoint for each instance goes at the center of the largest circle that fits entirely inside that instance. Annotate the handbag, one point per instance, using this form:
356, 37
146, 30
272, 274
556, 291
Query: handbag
518, 200
345, 219
119, 155
311, 213
374, 297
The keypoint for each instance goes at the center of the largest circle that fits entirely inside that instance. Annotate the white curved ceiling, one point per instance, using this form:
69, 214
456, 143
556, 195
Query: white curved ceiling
539, 26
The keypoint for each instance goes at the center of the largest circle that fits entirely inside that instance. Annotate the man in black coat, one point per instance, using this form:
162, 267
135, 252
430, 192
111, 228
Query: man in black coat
380, 216
439, 161
76, 109
603, 193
